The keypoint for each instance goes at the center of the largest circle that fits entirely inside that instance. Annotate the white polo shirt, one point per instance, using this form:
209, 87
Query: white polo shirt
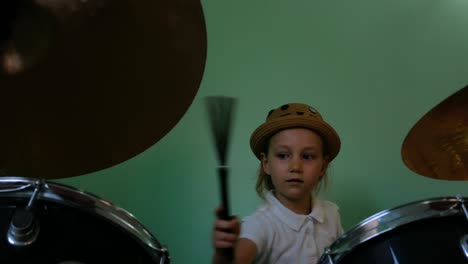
285, 237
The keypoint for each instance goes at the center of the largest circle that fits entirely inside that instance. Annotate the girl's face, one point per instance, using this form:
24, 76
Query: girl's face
295, 163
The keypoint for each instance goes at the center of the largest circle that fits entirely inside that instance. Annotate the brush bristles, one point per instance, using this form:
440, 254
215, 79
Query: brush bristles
220, 110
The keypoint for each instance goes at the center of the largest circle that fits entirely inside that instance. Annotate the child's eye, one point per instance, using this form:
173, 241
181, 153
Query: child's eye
282, 155
308, 156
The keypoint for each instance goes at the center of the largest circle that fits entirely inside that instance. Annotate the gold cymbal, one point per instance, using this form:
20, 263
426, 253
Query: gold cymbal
437, 146
86, 85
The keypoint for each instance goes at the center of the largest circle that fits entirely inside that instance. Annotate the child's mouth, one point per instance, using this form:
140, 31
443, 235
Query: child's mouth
295, 181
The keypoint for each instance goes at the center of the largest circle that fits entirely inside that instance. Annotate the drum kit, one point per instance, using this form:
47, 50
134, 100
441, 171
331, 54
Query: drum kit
427, 231
86, 85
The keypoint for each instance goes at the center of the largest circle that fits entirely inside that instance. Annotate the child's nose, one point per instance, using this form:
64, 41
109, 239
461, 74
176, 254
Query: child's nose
295, 165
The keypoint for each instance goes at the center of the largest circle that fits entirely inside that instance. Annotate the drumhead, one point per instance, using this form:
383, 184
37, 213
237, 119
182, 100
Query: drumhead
445, 208
75, 227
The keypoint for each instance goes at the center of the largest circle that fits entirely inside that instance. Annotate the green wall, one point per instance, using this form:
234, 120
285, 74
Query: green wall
373, 69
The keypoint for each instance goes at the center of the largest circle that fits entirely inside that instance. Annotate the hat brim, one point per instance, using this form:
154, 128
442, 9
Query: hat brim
263, 133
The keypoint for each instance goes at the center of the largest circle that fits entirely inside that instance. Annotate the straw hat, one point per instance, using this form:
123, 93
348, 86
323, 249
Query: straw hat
290, 116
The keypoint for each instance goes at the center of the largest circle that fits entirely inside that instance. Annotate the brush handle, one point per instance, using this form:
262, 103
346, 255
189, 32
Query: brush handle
223, 177
225, 213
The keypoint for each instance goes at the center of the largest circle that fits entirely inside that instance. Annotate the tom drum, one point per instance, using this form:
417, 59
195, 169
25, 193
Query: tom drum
46, 222
427, 231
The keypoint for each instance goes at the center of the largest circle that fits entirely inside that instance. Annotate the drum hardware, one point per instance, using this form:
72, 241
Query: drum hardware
24, 227
464, 244
463, 239
327, 253
460, 200
11, 186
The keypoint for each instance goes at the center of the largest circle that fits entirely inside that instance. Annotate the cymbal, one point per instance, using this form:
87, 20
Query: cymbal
86, 85
437, 146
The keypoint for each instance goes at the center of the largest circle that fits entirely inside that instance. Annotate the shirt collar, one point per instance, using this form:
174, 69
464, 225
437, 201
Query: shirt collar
290, 218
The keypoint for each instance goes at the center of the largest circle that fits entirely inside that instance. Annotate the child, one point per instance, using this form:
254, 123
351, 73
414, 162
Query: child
295, 147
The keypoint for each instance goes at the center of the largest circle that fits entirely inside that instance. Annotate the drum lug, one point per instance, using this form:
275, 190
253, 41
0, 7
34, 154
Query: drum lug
462, 204
463, 239
165, 259
464, 245
24, 226
328, 253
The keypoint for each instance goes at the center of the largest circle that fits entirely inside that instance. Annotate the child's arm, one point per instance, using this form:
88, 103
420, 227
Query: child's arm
245, 251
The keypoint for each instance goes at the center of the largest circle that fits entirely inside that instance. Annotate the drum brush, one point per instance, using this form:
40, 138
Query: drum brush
220, 110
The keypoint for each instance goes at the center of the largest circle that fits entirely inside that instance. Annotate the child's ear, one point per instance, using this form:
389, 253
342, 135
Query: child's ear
325, 164
264, 160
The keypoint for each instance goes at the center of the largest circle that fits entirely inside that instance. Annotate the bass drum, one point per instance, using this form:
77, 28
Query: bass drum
70, 226
428, 231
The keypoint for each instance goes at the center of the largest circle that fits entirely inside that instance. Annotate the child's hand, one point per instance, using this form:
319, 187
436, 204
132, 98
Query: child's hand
225, 232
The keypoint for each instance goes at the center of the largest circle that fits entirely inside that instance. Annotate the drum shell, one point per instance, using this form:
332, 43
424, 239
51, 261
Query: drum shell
427, 231
75, 226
